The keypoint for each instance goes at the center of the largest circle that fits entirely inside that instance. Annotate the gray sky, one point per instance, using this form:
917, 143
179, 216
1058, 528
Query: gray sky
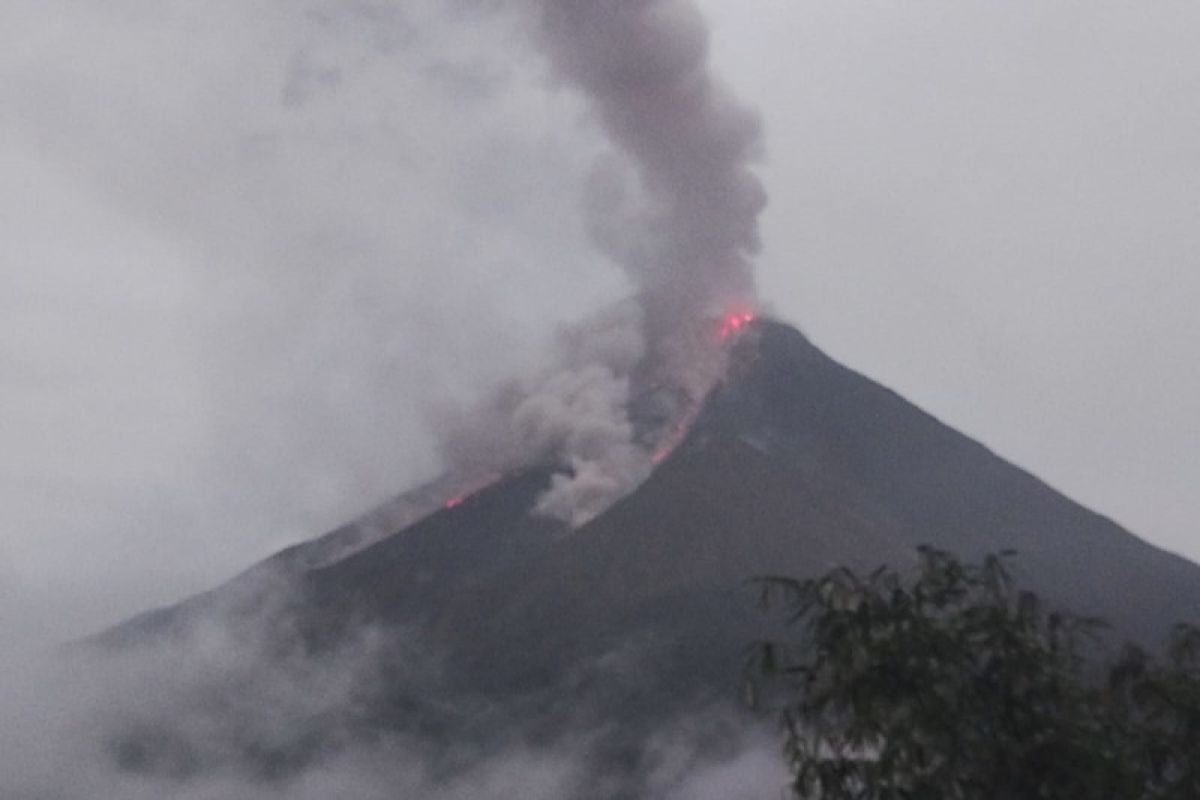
994, 208
251, 247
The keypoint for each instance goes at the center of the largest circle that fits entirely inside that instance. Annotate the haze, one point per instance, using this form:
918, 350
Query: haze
251, 247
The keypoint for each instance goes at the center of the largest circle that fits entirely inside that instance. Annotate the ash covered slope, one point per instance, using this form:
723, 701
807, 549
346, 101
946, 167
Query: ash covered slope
794, 465
873, 454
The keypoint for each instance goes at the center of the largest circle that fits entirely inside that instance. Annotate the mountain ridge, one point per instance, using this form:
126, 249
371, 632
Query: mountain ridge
488, 619
833, 451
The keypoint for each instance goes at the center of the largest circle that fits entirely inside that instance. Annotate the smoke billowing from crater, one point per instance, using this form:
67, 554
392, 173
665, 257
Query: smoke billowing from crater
686, 239
676, 206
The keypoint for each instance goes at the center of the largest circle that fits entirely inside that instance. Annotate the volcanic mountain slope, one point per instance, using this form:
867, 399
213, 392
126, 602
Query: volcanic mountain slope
795, 464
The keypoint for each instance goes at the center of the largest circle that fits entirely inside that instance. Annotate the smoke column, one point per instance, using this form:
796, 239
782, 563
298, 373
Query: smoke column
676, 206
642, 64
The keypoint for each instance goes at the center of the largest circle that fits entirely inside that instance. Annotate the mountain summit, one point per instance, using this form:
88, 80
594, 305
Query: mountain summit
793, 465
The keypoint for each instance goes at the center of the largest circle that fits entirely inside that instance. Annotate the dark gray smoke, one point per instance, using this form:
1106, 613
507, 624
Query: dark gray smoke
676, 206
643, 65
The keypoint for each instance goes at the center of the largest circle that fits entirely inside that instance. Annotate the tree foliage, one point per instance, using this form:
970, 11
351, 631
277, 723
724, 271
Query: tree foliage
951, 683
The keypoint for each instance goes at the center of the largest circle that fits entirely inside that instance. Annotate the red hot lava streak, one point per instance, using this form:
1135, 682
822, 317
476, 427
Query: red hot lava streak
733, 322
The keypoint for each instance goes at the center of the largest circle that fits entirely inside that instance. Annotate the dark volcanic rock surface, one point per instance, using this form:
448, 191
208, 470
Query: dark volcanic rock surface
796, 464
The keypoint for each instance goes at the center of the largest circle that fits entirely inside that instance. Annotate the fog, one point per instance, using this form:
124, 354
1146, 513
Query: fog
233, 705
263, 255
254, 246
257, 253
247, 246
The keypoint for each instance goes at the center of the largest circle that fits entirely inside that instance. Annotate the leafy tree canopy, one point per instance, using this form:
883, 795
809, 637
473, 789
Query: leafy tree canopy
949, 682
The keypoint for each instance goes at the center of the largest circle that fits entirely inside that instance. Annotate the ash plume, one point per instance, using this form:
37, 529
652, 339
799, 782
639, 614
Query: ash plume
676, 207
642, 65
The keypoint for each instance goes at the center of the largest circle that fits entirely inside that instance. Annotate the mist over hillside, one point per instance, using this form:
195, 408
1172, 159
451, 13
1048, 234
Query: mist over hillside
472, 287
488, 648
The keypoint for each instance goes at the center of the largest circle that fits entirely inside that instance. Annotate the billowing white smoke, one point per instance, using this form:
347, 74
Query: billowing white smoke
575, 413
676, 206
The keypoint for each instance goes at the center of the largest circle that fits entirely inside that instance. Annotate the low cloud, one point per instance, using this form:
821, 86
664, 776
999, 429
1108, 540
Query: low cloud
239, 706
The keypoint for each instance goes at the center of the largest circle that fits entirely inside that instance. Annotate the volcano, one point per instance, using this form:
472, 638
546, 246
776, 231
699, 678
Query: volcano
793, 465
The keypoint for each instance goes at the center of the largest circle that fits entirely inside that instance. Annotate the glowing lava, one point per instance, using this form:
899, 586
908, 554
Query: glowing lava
466, 488
727, 326
733, 322
672, 440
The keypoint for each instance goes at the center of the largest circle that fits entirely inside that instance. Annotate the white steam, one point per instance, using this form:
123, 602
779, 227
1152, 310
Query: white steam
225, 142
574, 414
